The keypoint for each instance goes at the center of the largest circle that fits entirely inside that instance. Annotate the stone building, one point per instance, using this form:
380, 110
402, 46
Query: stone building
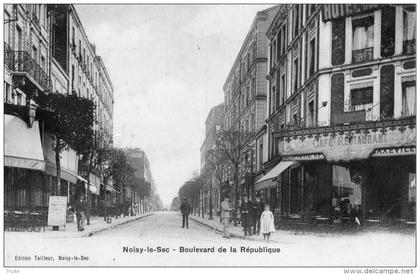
40, 57
245, 98
341, 113
214, 123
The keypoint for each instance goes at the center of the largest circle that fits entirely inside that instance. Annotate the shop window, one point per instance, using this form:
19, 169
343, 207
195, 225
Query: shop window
412, 196
409, 98
347, 193
388, 31
362, 99
362, 40
409, 35
296, 191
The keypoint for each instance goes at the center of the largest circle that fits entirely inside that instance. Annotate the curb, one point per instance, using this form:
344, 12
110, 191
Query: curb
90, 234
232, 235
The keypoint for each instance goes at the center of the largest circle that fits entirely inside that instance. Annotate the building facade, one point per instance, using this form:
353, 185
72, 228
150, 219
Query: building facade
141, 202
245, 98
214, 123
39, 58
341, 113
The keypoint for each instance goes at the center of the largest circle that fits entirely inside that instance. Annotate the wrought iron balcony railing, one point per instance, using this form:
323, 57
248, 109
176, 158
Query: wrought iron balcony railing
362, 55
22, 62
409, 46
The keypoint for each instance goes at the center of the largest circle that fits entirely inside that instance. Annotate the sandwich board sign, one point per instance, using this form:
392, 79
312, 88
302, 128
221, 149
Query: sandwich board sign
57, 210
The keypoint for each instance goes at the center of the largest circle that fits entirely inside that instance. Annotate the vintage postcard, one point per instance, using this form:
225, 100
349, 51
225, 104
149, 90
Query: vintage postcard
210, 135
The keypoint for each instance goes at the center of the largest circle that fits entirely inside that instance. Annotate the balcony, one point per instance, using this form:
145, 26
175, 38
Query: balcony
24, 67
409, 46
362, 55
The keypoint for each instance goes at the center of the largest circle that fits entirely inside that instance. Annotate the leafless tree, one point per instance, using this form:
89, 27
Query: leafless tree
230, 147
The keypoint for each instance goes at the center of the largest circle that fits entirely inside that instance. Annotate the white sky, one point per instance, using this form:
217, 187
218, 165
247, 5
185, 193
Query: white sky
168, 65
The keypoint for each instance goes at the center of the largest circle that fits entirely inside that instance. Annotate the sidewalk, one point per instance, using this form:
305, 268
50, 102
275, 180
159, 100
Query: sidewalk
235, 231
97, 224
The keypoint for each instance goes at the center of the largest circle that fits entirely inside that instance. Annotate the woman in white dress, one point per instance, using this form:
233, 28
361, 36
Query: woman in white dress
267, 223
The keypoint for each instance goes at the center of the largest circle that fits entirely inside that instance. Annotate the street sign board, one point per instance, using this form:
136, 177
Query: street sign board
57, 209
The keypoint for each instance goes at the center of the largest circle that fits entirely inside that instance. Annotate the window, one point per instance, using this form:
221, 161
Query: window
260, 154
19, 38
283, 89
311, 57
6, 28
72, 77
273, 98
362, 99
295, 74
347, 191
73, 36
363, 39
409, 35
311, 114
274, 47
409, 98
295, 21
8, 94
43, 64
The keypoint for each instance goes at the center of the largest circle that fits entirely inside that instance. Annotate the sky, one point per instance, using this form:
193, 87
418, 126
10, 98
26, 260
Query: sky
168, 64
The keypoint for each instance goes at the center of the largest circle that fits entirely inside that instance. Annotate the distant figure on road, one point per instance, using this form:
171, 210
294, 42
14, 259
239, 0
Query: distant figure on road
185, 210
225, 215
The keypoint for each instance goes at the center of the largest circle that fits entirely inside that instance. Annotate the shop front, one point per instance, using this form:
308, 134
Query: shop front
24, 166
356, 174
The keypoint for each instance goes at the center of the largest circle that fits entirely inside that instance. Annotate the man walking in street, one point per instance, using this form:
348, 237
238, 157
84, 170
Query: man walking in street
185, 210
80, 213
245, 216
225, 215
259, 208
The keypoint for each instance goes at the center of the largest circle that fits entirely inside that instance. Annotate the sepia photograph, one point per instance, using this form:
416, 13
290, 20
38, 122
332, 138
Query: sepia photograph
210, 135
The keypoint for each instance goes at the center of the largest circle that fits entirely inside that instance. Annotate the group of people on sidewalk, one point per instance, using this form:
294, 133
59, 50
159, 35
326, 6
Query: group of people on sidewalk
256, 217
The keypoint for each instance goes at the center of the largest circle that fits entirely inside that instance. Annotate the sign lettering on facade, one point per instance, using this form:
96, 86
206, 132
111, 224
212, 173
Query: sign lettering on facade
347, 146
400, 151
334, 11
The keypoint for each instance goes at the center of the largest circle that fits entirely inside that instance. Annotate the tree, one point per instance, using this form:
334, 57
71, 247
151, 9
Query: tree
230, 147
216, 164
69, 120
95, 156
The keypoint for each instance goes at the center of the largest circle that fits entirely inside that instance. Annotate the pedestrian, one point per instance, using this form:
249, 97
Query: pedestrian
252, 214
80, 213
225, 215
259, 208
267, 223
245, 216
185, 210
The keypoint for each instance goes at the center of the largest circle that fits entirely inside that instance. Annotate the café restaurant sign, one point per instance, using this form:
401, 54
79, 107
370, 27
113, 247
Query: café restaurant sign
334, 11
348, 145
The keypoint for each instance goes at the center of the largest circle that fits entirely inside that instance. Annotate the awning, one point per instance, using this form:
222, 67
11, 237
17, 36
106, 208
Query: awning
81, 178
22, 145
269, 180
50, 169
